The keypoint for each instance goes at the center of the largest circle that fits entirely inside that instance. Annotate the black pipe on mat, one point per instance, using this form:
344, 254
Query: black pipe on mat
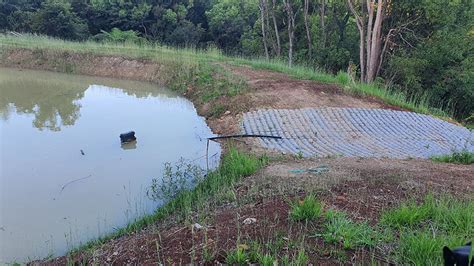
244, 136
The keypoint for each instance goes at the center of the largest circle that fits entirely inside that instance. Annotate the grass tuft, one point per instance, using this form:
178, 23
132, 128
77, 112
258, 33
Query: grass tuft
307, 209
340, 229
237, 256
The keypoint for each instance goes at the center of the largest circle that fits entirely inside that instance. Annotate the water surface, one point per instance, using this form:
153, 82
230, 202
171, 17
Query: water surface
53, 196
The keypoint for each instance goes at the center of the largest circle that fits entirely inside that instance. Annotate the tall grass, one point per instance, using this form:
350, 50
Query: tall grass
148, 50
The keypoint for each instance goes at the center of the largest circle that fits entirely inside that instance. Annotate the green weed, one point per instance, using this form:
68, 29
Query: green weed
407, 214
301, 258
340, 229
266, 260
445, 213
426, 227
461, 157
237, 257
308, 209
299, 155
217, 110
424, 247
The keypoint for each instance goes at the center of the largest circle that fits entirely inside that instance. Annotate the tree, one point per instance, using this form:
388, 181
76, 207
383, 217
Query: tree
371, 31
291, 16
275, 26
306, 25
55, 18
263, 9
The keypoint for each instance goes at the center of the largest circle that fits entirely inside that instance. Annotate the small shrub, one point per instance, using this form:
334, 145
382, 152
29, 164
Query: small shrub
299, 155
342, 78
461, 157
308, 209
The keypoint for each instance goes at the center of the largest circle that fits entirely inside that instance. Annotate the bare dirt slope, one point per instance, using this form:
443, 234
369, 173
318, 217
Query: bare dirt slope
279, 91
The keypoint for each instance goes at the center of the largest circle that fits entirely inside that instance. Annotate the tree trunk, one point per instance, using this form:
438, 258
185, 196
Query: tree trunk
360, 27
291, 30
275, 25
370, 12
370, 48
306, 24
262, 18
375, 46
322, 15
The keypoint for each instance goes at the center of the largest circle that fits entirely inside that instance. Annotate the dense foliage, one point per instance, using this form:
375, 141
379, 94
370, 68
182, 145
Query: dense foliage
426, 47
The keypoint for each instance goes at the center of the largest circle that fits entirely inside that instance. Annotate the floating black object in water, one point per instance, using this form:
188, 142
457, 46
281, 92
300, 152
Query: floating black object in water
127, 137
458, 256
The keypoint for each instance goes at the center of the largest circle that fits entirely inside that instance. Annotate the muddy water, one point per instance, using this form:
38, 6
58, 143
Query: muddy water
64, 176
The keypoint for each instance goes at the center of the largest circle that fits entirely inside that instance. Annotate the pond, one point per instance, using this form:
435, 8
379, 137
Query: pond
65, 178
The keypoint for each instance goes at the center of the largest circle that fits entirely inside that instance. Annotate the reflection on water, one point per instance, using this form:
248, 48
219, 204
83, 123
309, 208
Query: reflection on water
129, 145
64, 175
53, 100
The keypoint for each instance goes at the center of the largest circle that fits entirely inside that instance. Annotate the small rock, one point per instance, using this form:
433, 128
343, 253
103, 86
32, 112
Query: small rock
197, 226
109, 259
250, 221
115, 253
227, 112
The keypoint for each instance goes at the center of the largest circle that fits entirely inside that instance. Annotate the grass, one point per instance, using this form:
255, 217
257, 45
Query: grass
237, 257
150, 50
424, 247
425, 228
187, 64
266, 254
307, 209
340, 229
461, 157
234, 165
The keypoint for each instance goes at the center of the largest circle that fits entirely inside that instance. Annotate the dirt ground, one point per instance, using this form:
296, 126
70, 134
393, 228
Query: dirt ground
277, 90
